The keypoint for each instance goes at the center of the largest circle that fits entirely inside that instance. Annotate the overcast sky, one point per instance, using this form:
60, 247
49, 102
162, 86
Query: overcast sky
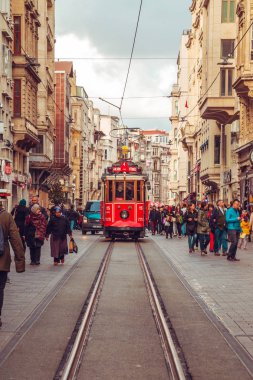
105, 29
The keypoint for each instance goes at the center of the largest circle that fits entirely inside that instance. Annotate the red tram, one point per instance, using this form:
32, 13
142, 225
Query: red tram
124, 210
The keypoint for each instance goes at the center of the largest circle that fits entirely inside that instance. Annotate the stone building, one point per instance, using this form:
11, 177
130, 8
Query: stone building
217, 103
182, 146
209, 120
244, 89
61, 168
26, 79
157, 156
78, 130
41, 157
109, 125
6, 95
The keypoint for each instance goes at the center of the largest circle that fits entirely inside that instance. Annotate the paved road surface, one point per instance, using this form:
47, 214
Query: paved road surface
225, 287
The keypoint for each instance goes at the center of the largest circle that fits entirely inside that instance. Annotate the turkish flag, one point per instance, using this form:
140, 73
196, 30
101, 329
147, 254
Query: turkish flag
186, 104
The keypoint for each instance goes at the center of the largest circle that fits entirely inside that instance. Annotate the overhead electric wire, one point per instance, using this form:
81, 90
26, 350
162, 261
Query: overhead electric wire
131, 57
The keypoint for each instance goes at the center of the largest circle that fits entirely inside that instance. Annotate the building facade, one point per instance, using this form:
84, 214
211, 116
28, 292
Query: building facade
6, 96
26, 79
243, 86
211, 110
157, 156
61, 168
42, 155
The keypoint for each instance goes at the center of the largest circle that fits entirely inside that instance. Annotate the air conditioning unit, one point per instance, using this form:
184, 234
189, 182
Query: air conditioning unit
235, 126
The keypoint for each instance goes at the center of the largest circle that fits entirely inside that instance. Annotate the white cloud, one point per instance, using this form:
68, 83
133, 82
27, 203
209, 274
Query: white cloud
106, 79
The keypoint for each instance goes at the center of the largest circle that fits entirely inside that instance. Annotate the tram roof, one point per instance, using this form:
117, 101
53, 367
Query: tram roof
124, 177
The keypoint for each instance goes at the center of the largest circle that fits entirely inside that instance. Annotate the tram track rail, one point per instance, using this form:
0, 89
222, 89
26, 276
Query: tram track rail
72, 359
169, 348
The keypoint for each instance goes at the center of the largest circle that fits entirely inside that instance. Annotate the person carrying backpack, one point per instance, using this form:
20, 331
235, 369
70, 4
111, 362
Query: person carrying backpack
9, 232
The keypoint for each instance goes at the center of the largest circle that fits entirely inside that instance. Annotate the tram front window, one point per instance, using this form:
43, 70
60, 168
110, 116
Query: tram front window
119, 191
130, 191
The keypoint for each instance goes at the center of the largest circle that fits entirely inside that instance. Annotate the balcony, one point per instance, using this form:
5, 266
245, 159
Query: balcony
7, 33
173, 186
210, 176
221, 109
50, 38
244, 86
25, 134
188, 132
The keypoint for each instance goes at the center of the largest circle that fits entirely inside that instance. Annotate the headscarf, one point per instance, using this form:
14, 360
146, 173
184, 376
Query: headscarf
34, 208
22, 202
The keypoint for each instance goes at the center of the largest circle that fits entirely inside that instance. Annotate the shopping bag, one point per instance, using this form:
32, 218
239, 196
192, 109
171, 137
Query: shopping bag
71, 245
75, 247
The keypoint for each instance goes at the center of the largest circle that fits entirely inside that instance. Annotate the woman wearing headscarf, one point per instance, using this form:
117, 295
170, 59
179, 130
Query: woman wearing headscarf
35, 232
19, 214
58, 227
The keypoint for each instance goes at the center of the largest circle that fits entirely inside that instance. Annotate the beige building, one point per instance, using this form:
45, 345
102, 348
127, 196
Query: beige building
26, 80
79, 126
218, 106
180, 152
244, 89
156, 165
211, 109
6, 95
41, 156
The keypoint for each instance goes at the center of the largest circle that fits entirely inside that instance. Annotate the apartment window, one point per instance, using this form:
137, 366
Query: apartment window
40, 146
17, 98
226, 81
17, 35
105, 154
76, 151
216, 150
228, 11
7, 61
227, 48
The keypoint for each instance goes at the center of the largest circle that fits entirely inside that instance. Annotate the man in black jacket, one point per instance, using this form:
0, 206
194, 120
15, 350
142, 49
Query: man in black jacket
154, 217
218, 226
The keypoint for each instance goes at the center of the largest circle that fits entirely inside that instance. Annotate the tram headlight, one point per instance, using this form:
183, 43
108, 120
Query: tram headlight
124, 214
85, 220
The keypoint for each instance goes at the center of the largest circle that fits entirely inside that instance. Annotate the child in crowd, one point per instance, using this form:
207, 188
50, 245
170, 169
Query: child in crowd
245, 226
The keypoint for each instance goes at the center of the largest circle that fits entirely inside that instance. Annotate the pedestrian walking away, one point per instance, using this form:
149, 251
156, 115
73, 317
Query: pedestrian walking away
19, 214
154, 217
35, 232
233, 220
9, 232
203, 229
72, 216
219, 226
58, 227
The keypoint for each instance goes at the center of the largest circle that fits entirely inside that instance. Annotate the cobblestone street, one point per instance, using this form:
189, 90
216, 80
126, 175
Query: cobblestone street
224, 287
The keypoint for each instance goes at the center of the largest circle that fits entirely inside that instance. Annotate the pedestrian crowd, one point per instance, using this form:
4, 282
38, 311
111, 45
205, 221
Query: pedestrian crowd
29, 226
222, 228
